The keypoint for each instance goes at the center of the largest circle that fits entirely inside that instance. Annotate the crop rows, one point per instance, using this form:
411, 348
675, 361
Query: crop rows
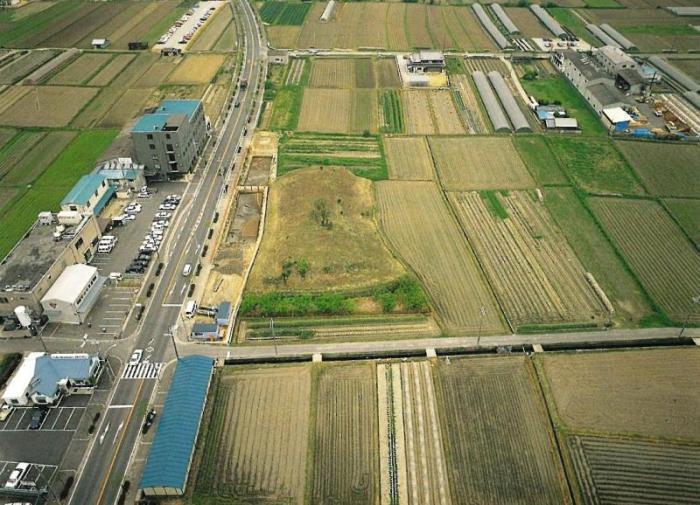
423, 232
23, 66
627, 471
532, 269
666, 262
296, 69
283, 13
392, 113
408, 158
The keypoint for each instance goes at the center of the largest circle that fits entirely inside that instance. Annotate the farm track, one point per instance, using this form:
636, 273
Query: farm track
422, 231
296, 69
666, 262
531, 267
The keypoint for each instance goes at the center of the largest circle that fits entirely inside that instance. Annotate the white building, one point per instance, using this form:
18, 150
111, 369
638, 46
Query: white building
73, 294
43, 379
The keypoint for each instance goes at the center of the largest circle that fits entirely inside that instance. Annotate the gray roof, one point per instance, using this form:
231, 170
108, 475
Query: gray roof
516, 116
488, 97
584, 63
631, 76
490, 27
606, 94
204, 328
604, 37
621, 39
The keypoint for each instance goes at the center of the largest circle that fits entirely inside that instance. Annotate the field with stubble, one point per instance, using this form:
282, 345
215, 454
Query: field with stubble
47, 106
422, 231
257, 439
430, 112
408, 158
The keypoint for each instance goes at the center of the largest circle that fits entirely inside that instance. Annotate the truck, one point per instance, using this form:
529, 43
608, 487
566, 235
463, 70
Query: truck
243, 84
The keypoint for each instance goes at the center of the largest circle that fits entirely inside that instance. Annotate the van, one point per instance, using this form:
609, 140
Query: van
190, 309
187, 270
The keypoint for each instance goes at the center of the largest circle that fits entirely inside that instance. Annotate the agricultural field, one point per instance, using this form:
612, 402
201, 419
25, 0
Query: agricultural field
21, 67
391, 112
598, 256
256, 442
320, 220
595, 165
687, 213
468, 104
604, 392
30, 154
491, 412
345, 464
527, 22
284, 13
539, 159
679, 175
197, 69
362, 155
81, 70
49, 189
467, 163
111, 70
665, 261
214, 30
47, 106
424, 234
333, 73
430, 112
408, 158
650, 473
532, 269
338, 111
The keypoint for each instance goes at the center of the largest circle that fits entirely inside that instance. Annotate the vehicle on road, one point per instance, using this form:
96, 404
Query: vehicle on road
148, 422
17, 475
187, 270
5, 411
191, 309
38, 415
136, 356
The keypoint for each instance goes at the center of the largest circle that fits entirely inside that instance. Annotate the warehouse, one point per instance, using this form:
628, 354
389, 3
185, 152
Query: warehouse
36, 261
73, 294
43, 379
90, 195
170, 457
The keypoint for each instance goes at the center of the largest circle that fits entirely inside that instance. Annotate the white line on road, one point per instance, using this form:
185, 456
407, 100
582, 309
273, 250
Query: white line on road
178, 305
119, 407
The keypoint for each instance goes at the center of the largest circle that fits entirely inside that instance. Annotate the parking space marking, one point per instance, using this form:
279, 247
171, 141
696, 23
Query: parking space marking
23, 425
8, 466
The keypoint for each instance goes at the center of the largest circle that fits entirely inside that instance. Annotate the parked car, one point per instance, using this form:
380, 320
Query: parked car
163, 215
5, 411
38, 415
17, 475
136, 356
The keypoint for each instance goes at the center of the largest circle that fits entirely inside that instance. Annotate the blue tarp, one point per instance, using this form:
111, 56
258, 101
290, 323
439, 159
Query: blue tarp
173, 446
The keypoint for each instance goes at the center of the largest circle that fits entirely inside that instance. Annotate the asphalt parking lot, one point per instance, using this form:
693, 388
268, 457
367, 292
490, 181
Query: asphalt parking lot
57, 419
38, 473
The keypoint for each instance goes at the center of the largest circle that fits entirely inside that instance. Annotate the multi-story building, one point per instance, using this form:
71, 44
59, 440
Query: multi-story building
169, 139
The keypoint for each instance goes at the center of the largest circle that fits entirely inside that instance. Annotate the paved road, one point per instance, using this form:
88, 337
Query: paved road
106, 463
446, 344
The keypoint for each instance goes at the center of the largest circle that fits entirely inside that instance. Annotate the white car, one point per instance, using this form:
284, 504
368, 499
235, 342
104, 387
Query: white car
166, 206
163, 215
136, 356
17, 475
130, 217
5, 411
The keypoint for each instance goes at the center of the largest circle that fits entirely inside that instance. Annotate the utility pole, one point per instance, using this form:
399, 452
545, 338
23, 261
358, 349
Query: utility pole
694, 302
482, 313
172, 337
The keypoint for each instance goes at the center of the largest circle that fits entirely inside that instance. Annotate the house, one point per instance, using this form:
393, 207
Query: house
426, 61
169, 139
73, 295
205, 331
90, 195
43, 379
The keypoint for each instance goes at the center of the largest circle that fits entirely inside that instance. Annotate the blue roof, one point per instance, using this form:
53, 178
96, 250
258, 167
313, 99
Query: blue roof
171, 453
155, 120
82, 191
49, 370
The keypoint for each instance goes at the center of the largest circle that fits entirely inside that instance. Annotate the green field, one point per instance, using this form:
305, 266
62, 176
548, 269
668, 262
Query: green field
573, 23
687, 213
556, 89
595, 165
539, 159
392, 111
603, 4
598, 256
50, 188
13, 31
284, 13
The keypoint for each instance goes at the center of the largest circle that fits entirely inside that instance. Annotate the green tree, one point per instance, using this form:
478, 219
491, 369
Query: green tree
303, 267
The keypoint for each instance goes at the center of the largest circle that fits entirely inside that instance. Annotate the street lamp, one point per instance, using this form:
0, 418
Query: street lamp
695, 300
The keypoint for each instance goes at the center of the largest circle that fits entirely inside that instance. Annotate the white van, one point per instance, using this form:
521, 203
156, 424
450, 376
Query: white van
187, 270
190, 309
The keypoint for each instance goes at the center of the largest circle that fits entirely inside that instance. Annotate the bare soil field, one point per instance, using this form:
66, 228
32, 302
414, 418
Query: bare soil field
665, 261
396, 35
345, 439
346, 254
10, 95
364, 25
286, 36
111, 70
665, 169
422, 231
479, 163
416, 17
128, 106
687, 213
197, 69
610, 470
408, 158
213, 30
338, 110
478, 40
532, 269
332, 73
81, 69
57, 105
652, 393
491, 412
430, 112
387, 74
257, 438
157, 73
527, 22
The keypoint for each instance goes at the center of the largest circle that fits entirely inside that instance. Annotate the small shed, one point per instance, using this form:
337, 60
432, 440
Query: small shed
100, 43
205, 331
223, 313
617, 118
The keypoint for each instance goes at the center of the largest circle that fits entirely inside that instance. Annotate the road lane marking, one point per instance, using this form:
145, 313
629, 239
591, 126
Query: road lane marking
120, 406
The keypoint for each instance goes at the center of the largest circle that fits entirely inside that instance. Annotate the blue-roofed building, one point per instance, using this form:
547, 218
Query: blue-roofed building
169, 460
169, 139
89, 195
122, 173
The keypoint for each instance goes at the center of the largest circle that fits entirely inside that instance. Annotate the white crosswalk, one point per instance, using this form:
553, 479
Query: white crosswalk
144, 370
